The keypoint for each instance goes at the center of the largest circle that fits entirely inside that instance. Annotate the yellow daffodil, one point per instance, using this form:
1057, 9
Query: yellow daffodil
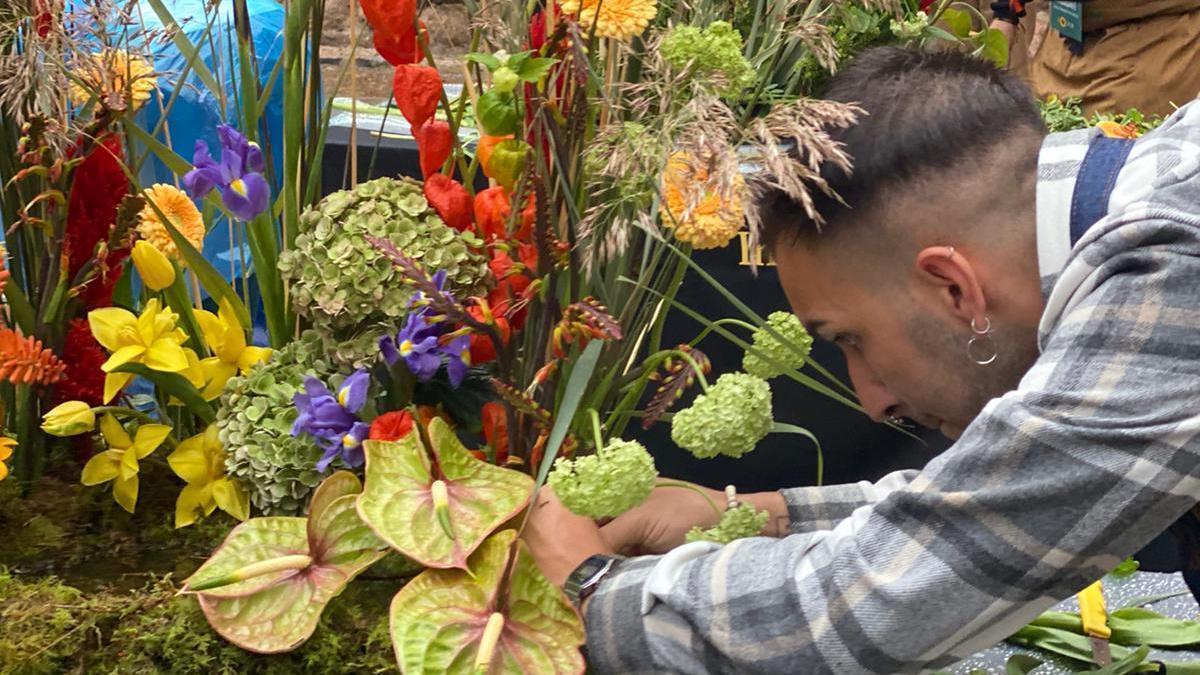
227, 340
200, 461
150, 339
6, 449
120, 462
68, 419
194, 374
154, 268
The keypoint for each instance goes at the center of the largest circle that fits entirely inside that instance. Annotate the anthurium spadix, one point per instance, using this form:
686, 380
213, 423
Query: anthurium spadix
491, 618
265, 587
436, 505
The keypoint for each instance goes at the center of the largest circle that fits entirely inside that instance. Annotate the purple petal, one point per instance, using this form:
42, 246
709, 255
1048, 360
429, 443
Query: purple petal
387, 347
315, 388
200, 181
424, 365
232, 140
353, 393
201, 157
254, 159
327, 459
439, 279
247, 198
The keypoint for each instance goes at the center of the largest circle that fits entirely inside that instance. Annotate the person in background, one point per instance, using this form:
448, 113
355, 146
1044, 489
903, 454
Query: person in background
1052, 328
1112, 54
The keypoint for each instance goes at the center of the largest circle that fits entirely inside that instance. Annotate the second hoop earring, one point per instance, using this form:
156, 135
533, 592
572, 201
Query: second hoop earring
981, 348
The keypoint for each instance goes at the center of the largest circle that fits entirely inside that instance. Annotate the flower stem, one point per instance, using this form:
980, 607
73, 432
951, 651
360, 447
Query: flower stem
599, 437
693, 488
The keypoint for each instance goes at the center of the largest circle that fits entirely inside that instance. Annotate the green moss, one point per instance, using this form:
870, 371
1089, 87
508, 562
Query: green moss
50, 627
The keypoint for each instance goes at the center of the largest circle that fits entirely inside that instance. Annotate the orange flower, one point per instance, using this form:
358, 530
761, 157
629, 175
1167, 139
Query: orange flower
24, 361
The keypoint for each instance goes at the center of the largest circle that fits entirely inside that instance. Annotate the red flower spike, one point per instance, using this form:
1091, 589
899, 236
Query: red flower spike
98, 186
84, 380
434, 144
418, 90
492, 209
450, 200
495, 429
400, 48
390, 16
391, 426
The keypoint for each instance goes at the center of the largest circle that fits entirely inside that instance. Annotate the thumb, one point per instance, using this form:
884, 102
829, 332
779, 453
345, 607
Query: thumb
624, 534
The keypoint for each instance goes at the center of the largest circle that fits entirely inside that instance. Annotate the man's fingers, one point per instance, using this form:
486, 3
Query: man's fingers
622, 535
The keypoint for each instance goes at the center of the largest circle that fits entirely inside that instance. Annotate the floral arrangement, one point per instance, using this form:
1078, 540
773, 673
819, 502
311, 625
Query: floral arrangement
434, 354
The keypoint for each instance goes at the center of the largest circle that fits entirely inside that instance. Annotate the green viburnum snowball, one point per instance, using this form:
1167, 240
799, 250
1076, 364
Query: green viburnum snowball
736, 523
347, 287
255, 426
715, 51
729, 419
790, 353
617, 478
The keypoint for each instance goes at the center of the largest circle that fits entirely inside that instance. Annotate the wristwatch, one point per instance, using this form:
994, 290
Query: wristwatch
584, 580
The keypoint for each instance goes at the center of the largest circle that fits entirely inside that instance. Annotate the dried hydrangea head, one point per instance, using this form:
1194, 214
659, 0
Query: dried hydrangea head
711, 221
619, 19
738, 522
729, 419
615, 479
254, 423
712, 57
179, 210
113, 72
349, 289
789, 353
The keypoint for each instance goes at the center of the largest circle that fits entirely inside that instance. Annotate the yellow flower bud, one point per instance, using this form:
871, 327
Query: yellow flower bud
69, 419
156, 270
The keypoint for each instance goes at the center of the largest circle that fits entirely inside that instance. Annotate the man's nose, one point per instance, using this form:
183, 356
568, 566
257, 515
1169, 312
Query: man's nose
879, 403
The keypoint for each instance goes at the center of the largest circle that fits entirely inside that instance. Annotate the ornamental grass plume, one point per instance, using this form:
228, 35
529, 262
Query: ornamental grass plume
179, 210
728, 419
23, 360
113, 73
788, 353
702, 217
618, 19
617, 478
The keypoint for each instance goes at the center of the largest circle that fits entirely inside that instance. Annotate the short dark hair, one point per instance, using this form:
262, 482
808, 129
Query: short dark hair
924, 112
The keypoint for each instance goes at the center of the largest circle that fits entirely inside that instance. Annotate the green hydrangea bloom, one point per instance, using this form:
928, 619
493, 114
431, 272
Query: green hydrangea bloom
790, 353
617, 478
712, 51
347, 287
255, 426
736, 523
729, 419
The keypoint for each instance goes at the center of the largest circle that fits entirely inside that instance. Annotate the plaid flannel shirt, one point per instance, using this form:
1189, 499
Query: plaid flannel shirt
1094, 454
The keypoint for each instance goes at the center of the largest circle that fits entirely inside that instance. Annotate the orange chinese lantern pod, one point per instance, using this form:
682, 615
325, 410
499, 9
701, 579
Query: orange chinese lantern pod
484, 148
450, 200
434, 144
483, 350
401, 48
495, 429
23, 360
390, 16
418, 90
492, 209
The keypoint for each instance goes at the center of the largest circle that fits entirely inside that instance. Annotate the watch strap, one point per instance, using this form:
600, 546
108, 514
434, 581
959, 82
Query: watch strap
585, 578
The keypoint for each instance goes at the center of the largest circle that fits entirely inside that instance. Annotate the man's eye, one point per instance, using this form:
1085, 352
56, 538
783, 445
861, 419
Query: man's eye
845, 340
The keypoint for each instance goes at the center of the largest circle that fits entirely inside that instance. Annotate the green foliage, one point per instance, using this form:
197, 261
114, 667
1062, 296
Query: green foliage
1125, 569
729, 419
615, 479
736, 523
710, 56
52, 627
773, 356
255, 422
1066, 114
855, 31
347, 287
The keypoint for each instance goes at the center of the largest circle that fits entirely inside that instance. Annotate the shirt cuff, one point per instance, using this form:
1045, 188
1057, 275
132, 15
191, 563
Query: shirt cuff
811, 509
616, 635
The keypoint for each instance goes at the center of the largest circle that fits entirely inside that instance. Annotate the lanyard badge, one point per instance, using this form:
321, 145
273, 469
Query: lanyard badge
1066, 16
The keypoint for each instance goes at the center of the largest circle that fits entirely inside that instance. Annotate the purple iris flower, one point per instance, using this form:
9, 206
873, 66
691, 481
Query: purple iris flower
458, 359
419, 343
331, 419
238, 176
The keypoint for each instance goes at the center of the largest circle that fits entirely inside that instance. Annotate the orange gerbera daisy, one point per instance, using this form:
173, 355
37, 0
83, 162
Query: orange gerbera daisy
180, 210
619, 19
712, 222
113, 71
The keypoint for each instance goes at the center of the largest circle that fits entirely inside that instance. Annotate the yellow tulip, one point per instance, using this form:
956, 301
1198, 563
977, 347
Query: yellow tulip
200, 462
69, 419
227, 340
120, 462
156, 270
6, 449
150, 339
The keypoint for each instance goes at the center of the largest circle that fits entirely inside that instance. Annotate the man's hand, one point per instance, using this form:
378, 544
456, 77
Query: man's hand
560, 540
660, 523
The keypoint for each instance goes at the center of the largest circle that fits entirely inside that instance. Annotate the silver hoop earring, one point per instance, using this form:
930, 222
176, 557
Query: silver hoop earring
980, 348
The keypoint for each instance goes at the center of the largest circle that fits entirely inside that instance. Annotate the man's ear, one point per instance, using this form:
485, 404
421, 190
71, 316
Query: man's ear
950, 274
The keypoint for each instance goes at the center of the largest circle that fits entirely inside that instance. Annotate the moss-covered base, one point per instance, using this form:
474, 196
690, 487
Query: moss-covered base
87, 588
50, 627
